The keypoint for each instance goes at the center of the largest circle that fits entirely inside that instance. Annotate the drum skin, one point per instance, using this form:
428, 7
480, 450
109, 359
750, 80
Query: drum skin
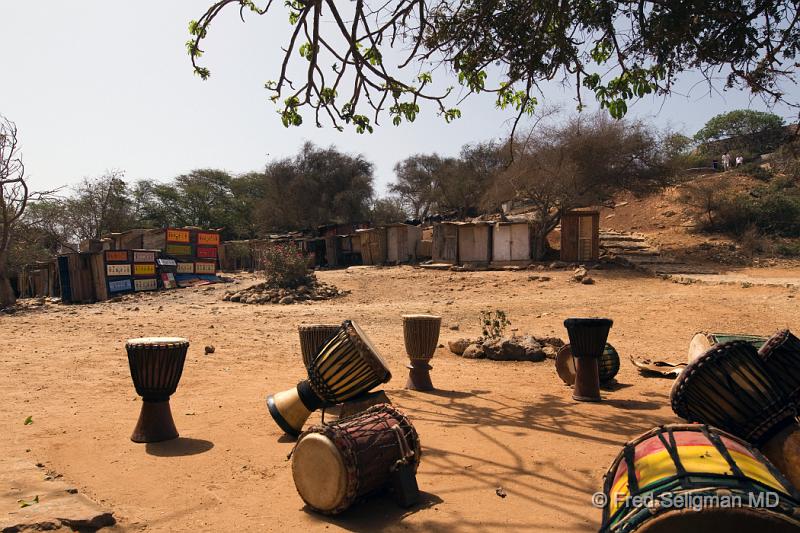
608, 365
312, 338
156, 365
421, 335
588, 336
704, 340
335, 465
717, 465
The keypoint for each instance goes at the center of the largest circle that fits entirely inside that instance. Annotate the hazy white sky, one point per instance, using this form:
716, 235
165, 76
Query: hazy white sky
95, 85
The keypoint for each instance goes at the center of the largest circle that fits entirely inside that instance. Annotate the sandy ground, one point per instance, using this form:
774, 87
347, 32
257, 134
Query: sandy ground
490, 424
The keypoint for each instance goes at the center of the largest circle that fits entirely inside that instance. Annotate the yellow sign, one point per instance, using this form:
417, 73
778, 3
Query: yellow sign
178, 235
144, 269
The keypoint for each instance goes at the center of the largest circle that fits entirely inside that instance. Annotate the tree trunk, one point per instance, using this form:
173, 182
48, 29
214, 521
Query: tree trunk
540, 245
7, 296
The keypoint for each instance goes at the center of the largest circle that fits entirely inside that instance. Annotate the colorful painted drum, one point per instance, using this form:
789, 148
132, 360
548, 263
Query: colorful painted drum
421, 336
156, 365
336, 465
607, 366
312, 338
346, 366
696, 478
703, 340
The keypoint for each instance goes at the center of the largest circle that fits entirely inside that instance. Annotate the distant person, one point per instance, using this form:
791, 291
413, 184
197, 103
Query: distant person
739, 160
726, 161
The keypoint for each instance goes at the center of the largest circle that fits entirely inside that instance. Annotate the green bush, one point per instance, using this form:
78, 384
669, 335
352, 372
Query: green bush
757, 171
773, 210
284, 265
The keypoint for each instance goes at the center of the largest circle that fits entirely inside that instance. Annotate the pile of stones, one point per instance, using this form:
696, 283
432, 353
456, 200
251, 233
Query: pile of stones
264, 293
513, 348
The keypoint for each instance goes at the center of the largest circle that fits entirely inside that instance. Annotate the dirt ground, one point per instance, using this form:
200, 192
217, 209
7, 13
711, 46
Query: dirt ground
489, 424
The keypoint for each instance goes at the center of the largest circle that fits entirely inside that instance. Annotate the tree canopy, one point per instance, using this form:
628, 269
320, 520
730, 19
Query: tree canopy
337, 61
743, 129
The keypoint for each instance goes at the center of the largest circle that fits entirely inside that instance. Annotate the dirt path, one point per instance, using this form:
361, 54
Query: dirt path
490, 424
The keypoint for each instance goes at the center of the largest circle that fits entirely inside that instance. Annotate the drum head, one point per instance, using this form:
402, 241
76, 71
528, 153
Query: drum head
739, 519
370, 354
156, 341
565, 365
421, 317
319, 472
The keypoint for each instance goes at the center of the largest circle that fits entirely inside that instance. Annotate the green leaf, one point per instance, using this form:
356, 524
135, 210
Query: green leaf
28, 421
23, 503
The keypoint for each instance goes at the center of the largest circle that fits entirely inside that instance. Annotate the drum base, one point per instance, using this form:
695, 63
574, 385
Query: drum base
587, 380
155, 423
419, 376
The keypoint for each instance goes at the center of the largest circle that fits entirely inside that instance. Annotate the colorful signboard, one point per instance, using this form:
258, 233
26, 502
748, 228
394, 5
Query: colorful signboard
211, 239
118, 270
121, 285
205, 268
117, 256
144, 269
178, 235
179, 249
185, 268
144, 257
149, 284
207, 252
168, 280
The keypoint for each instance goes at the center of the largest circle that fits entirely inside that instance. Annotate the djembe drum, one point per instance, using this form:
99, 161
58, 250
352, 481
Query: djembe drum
346, 366
607, 366
312, 337
695, 478
335, 465
587, 337
421, 335
781, 356
730, 387
156, 365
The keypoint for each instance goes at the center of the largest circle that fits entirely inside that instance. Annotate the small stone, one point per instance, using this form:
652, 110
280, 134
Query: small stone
286, 300
458, 346
454, 327
474, 351
209, 349
579, 274
587, 280
500, 492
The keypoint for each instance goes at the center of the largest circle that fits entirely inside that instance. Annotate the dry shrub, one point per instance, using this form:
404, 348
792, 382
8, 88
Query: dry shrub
284, 265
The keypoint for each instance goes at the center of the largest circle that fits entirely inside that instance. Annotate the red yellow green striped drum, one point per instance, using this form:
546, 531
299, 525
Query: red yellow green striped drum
692, 477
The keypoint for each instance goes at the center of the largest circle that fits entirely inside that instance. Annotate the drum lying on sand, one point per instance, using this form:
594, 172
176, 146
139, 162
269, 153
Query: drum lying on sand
703, 340
695, 478
335, 465
607, 366
346, 366
732, 388
156, 365
587, 337
421, 336
313, 337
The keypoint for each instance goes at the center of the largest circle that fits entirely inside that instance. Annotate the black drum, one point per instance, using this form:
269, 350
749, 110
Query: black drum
156, 365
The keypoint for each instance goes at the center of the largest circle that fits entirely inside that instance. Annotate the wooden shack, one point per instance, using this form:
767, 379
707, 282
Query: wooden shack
580, 236
401, 243
444, 248
373, 246
512, 243
38, 280
75, 275
474, 243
